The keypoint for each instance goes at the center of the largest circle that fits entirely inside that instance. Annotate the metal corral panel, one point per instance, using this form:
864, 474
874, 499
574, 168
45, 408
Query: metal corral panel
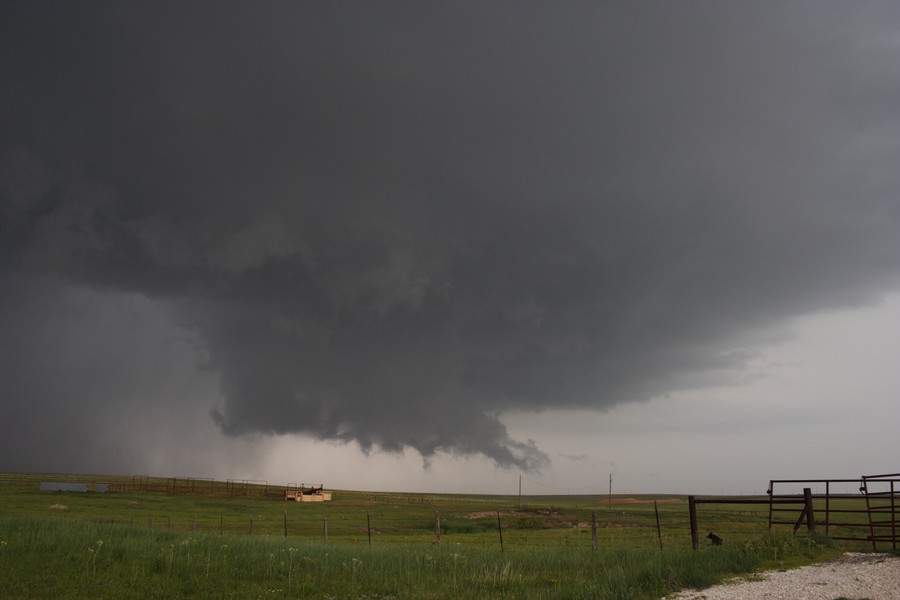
56, 486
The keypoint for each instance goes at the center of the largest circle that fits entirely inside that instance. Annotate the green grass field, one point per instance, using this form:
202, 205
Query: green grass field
158, 545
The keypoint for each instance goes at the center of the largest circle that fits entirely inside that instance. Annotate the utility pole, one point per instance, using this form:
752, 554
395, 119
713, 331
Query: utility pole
520, 491
609, 502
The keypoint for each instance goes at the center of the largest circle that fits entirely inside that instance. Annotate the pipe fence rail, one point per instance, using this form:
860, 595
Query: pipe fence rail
870, 515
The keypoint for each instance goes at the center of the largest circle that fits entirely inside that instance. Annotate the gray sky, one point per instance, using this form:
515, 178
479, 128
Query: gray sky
432, 246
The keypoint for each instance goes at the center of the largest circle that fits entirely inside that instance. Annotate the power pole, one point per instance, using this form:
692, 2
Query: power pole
609, 502
520, 491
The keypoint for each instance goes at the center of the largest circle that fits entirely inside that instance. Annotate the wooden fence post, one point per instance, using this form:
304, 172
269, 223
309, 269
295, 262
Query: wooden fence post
658, 529
500, 530
692, 509
437, 527
285, 523
325, 527
369, 528
810, 514
593, 531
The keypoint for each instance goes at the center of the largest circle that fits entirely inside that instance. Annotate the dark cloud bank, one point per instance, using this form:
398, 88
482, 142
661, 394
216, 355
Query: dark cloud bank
390, 223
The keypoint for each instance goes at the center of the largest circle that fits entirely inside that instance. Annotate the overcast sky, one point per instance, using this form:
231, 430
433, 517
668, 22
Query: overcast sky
433, 246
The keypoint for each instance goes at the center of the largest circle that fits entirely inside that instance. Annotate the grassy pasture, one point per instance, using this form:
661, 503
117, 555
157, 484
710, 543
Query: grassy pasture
154, 545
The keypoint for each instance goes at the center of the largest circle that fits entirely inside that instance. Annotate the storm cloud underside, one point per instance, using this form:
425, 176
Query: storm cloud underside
391, 225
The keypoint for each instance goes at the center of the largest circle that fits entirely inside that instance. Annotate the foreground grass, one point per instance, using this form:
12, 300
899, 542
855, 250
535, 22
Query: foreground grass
51, 558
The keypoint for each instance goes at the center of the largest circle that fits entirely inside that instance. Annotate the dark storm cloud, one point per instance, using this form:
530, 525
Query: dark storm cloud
389, 224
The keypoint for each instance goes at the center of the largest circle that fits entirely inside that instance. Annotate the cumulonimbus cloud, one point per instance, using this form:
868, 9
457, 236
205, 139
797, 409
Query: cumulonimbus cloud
390, 237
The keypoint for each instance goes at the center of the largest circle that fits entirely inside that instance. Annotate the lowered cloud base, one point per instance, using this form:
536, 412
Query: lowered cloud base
396, 227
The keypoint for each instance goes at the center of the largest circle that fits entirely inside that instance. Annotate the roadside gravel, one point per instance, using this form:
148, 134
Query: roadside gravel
854, 576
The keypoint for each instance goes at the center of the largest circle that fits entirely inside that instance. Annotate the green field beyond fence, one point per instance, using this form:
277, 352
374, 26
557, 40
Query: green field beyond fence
371, 545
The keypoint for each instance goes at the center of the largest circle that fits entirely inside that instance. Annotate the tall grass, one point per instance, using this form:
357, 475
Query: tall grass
52, 558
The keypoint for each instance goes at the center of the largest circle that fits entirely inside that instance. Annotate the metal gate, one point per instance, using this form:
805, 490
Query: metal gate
882, 494
870, 516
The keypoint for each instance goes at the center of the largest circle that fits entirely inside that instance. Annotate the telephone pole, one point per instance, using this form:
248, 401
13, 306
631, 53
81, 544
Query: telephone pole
609, 501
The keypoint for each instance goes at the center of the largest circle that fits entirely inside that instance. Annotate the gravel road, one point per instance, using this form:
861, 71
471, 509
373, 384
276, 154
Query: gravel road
854, 576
